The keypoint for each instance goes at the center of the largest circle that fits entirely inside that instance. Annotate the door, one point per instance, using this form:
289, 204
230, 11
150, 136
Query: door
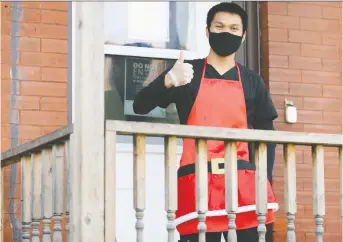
139, 46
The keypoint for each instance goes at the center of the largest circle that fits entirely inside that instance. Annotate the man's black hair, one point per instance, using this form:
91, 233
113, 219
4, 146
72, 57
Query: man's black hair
228, 7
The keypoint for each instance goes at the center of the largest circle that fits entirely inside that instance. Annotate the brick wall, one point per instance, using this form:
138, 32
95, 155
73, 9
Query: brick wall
302, 62
33, 85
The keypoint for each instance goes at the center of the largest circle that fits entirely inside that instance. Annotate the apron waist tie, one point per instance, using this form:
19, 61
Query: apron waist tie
215, 166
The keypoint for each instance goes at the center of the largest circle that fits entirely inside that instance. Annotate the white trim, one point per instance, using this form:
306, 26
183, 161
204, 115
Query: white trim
243, 209
147, 52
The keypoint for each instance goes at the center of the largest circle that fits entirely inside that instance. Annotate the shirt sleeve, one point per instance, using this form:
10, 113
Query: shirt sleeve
264, 106
154, 95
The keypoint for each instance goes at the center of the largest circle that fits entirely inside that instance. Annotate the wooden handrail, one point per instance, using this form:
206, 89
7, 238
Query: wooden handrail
13, 155
199, 132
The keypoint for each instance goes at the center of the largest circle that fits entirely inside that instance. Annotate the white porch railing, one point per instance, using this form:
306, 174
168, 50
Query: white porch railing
47, 169
230, 136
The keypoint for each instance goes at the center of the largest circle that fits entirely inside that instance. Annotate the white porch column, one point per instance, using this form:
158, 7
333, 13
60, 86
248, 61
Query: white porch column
87, 168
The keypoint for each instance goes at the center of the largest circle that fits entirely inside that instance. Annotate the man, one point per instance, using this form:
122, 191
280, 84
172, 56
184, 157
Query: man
216, 91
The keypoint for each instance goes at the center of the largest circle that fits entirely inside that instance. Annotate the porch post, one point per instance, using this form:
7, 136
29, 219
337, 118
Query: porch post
87, 168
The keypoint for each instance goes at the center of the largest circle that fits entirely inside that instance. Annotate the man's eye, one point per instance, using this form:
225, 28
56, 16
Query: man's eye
219, 27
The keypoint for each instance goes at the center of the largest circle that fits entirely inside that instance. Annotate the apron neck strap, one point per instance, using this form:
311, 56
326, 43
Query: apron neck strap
205, 65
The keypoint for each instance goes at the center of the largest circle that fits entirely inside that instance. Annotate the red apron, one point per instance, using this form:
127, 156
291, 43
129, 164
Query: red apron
219, 103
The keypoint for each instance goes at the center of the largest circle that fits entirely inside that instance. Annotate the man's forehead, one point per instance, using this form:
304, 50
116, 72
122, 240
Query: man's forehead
227, 18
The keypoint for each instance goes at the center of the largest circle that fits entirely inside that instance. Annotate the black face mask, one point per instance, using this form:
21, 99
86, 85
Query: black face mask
224, 44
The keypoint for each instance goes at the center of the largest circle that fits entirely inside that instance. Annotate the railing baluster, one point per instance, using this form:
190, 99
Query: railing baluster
341, 177
231, 191
36, 195
201, 173
26, 189
290, 189
58, 191
47, 193
170, 184
67, 187
318, 190
110, 186
139, 184
261, 190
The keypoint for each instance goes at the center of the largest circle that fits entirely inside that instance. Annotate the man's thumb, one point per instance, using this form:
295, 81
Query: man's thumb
182, 57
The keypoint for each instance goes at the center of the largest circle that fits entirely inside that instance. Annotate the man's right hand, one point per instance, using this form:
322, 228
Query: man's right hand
181, 73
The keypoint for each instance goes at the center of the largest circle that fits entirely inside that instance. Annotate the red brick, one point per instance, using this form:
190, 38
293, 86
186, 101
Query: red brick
284, 48
49, 129
54, 46
44, 59
302, 36
43, 118
5, 71
6, 86
30, 4
327, 4
332, 65
327, 129
54, 104
278, 21
54, 17
332, 91
51, 31
279, 101
29, 131
29, 44
31, 15
309, 50
44, 89
280, 159
332, 198
308, 90
279, 87
304, 197
5, 144
319, 25
275, 34
6, 13
5, 42
312, 11
27, 103
305, 63
5, 131
310, 117
6, 57
29, 73
332, 13
303, 170
321, 77
284, 75
304, 225
5, 28
330, 184
28, 30
277, 8
322, 103
332, 39
54, 5
289, 127
333, 117
278, 61
332, 225
54, 74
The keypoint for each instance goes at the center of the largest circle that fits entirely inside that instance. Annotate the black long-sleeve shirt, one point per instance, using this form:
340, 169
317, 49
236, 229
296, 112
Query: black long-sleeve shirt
259, 106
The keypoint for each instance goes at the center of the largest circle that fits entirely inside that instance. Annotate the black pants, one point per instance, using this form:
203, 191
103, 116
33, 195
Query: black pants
245, 235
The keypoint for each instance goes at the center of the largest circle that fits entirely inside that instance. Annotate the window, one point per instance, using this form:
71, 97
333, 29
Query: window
140, 45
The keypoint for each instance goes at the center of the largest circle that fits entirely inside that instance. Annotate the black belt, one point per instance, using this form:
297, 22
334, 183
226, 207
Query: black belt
190, 168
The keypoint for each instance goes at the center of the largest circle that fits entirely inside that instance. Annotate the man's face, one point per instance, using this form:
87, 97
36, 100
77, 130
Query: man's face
227, 22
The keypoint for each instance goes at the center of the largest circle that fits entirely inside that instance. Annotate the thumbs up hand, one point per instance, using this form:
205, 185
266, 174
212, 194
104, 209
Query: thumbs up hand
181, 73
